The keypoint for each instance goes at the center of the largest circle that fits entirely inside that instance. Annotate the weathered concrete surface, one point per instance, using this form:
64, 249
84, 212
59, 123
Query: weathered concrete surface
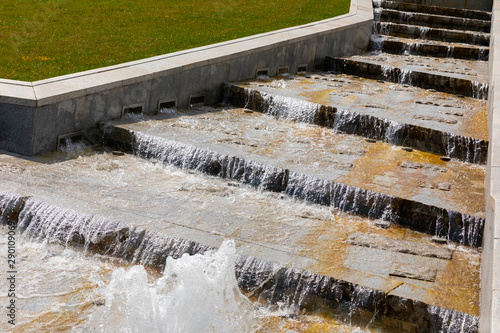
78, 101
264, 224
490, 262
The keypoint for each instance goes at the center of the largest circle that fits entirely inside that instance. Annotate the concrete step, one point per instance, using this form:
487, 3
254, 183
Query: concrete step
434, 21
454, 76
315, 164
399, 114
300, 256
435, 34
436, 10
423, 47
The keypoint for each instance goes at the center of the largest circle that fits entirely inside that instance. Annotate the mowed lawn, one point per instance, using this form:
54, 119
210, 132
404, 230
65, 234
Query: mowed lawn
46, 38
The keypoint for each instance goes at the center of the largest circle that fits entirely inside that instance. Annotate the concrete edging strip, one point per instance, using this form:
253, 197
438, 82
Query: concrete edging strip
490, 261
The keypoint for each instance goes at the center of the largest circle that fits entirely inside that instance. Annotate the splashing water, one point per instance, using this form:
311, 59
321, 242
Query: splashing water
290, 108
195, 294
71, 147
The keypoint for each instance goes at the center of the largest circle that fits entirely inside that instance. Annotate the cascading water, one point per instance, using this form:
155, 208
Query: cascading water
197, 293
290, 108
465, 148
194, 158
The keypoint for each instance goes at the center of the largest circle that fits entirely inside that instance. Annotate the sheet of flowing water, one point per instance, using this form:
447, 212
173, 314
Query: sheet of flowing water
62, 289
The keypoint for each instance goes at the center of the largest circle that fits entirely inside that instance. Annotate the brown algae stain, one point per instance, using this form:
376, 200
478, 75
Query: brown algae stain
380, 170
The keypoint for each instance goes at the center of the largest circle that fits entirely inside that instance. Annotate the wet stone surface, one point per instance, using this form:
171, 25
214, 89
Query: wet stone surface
459, 68
264, 224
320, 152
403, 104
388, 244
417, 273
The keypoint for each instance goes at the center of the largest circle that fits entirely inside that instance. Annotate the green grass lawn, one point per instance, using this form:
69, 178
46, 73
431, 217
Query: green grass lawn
46, 38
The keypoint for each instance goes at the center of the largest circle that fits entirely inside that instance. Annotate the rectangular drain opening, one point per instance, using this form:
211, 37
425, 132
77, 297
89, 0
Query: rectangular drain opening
167, 104
197, 100
318, 67
69, 139
283, 70
301, 69
134, 109
262, 72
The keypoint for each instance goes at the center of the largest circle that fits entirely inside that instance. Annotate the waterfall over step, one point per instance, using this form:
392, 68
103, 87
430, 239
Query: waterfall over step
270, 281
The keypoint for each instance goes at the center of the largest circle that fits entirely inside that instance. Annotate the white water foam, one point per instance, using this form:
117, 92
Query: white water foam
195, 294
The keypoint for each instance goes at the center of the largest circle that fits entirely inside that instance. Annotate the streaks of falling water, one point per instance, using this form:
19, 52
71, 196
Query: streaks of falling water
466, 229
405, 76
369, 126
9, 206
462, 228
339, 196
479, 90
483, 54
52, 224
423, 31
290, 108
189, 157
269, 281
444, 320
465, 148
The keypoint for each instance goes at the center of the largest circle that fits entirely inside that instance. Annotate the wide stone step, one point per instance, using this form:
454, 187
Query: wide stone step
317, 165
436, 10
298, 256
454, 76
401, 115
434, 21
443, 35
422, 47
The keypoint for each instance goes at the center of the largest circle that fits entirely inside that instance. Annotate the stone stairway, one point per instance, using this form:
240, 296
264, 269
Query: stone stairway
455, 37
426, 33
393, 142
